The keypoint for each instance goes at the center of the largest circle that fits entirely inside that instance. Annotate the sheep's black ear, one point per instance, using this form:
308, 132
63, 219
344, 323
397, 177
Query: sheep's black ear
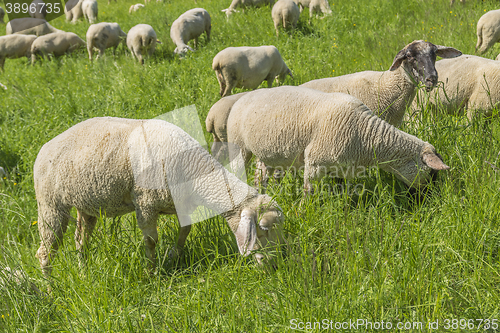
246, 234
398, 60
434, 161
447, 52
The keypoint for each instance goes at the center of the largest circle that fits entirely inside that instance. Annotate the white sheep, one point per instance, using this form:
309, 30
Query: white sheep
73, 10
488, 30
141, 41
56, 45
469, 83
247, 67
188, 26
135, 8
30, 26
285, 12
112, 166
246, 3
315, 6
102, 36
326, 133
2, 14
15, 46
38, 9
389, 93
90, 10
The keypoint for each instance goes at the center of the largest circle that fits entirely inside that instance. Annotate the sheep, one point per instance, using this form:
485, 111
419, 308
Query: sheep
453, 1
2, 14
326, 133
246, 3
102, 36
73, 10
315, 6
141, 40
488, 30
469, 83
55, 44
38, 9
30, 26
389, 93
112, 166
135, 8
285, 12
190, 25
89, 9
15, 46
247, 67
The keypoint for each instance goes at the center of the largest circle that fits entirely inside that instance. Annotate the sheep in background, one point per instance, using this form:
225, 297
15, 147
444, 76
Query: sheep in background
247, 67
190, 25
488, 30
324, 133
285, 12
15, 46
246, 3
90, 10
55, 45
389, 93
39, 10
30, 26
102, 36
135, 8
453, 1
111, 166
73, 10
141, 41
315, 6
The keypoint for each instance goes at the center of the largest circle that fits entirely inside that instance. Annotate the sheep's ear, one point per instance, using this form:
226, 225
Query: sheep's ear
447, 52
434, 161
246, 234
398, 60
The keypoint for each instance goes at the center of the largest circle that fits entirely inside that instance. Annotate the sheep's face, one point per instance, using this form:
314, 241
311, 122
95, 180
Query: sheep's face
419, 58
182, 50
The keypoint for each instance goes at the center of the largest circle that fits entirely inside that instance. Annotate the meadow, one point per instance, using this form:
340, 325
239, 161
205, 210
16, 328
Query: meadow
379, 254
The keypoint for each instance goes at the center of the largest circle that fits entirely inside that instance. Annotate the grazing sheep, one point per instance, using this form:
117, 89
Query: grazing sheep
246, 3
469, 83
2, 14
247, 67
30, 26
111, 166
89, 9
102, 36
15, 46
285, 12
326, 133
55, 44
73, 10
190, 25
488, 30
39, 10
389, 93
141, 40
135, 8
315, 6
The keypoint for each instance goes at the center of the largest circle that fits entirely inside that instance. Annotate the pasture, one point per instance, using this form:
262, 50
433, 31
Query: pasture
375, 253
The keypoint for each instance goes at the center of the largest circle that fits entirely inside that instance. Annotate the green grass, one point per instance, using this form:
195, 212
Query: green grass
381, 255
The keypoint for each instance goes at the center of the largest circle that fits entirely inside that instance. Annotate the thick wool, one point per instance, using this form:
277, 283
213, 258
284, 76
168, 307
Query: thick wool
15, 46
93, 166
488, 30
56, 44
315, 6
73, 10
141, 41
321, 132
30, 26
246, 3
286, 13
188, 26
102, 36
90, 10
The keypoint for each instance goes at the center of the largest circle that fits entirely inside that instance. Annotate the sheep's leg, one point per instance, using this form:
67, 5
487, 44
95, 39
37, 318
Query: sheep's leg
84, 227
146, 220
176, 251
222, 83
90, 50
276, 25
140, 57
196, 43
270, 78
2, 62
230, 82
208, 33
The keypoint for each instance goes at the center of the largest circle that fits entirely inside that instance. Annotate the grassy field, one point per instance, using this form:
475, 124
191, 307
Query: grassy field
378, 256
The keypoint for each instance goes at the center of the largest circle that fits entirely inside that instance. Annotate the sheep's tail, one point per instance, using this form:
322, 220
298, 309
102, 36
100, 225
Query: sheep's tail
479, 36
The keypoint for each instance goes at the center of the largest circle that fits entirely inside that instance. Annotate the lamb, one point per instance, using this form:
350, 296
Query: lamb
469, 83
285, 12
135, 8
190, 25
488, 30
246, 3
141, 40
30, 26
89, 9
73, 10
326, 133
389, 93
38, 9
55, 44
15, 46
112, 166
315, 6
102, 36
247, 67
